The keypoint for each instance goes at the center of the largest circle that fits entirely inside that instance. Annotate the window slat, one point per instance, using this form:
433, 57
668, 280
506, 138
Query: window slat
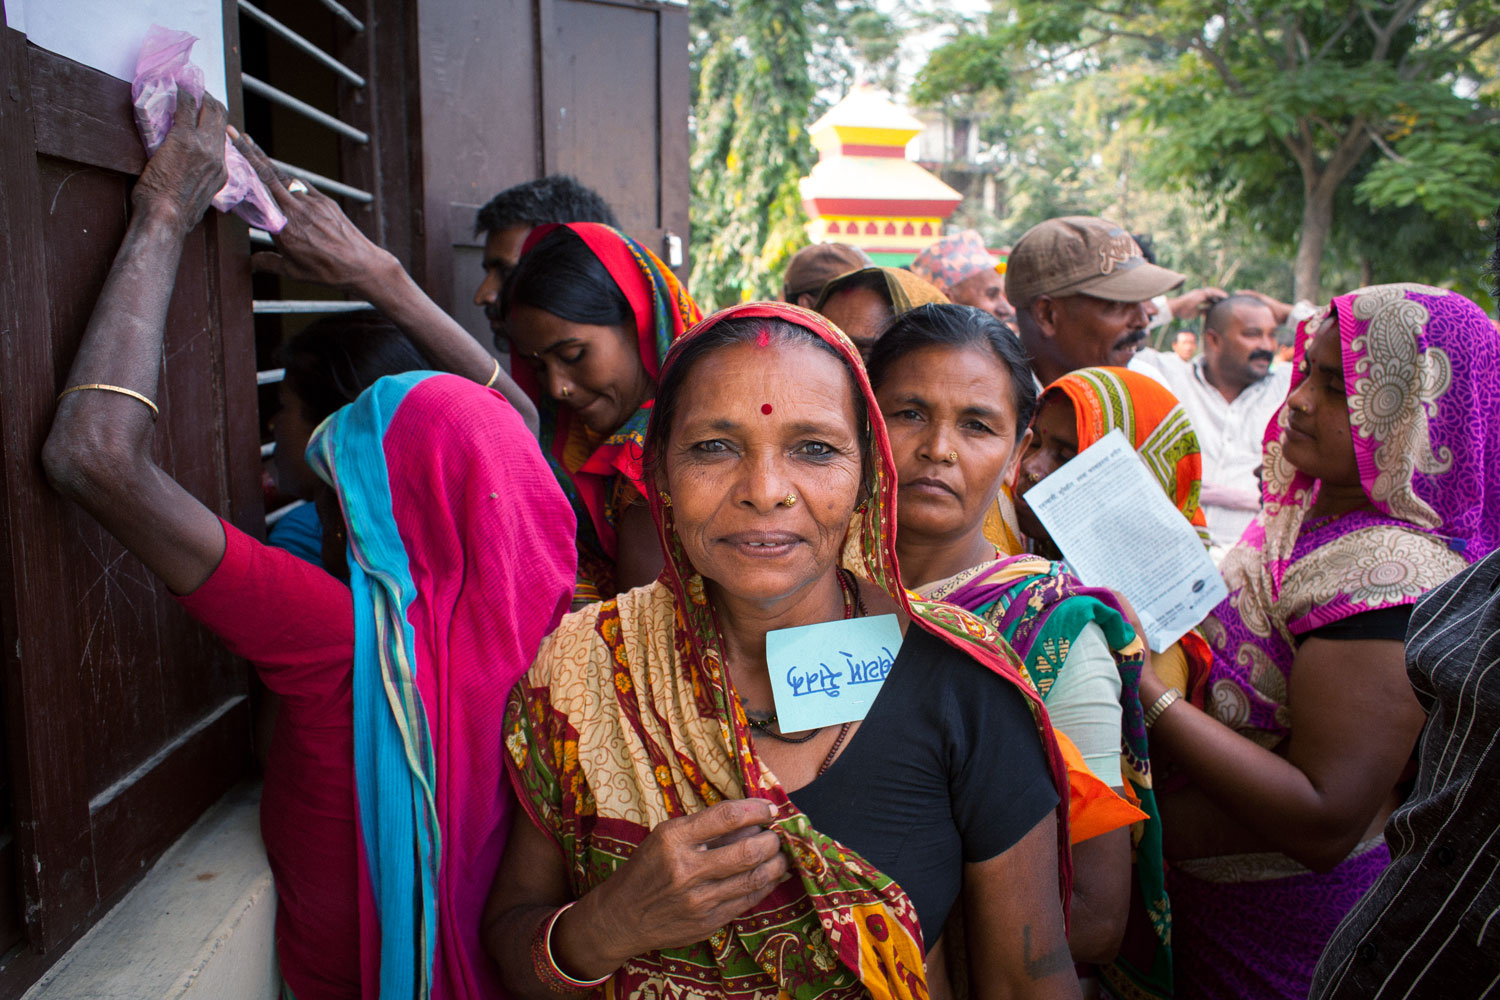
342, 13
297, 41
281, 512
286, 100
325, 183
307, 306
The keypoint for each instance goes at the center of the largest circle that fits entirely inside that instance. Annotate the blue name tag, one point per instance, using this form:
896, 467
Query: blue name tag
829, 673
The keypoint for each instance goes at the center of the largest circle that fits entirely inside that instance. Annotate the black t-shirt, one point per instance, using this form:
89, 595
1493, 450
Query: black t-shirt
947, 768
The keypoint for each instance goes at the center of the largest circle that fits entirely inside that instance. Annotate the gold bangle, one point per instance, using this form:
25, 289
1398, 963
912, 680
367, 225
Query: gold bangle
155, 413
493, 375
1161, 704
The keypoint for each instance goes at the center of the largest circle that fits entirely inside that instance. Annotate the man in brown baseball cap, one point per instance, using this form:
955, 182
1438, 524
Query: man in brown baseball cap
1081, 290
813, 267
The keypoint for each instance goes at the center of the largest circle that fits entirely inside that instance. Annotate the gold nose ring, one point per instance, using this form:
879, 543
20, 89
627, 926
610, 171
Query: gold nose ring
1032, 477
790, 500
952, 456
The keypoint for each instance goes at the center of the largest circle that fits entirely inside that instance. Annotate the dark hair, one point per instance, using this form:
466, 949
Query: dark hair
681, 360
957, 327
1222, 311
557, 198
336, 358
562, 276
1147, 243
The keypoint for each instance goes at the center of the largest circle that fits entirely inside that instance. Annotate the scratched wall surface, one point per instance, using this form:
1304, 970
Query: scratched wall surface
122, 718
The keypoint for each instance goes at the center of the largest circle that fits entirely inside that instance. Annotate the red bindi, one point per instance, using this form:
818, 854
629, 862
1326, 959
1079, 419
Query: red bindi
763, 339
765, 408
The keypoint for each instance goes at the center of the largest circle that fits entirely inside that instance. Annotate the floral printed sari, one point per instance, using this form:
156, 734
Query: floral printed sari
629, 718
1421, 370
1040, 608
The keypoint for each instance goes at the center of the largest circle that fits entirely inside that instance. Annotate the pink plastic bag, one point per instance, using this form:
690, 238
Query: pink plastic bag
161, 68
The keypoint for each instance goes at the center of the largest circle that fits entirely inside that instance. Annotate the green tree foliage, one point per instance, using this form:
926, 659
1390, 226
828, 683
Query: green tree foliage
1362, 136
758, 66
973, 65
1270, 94
751, 148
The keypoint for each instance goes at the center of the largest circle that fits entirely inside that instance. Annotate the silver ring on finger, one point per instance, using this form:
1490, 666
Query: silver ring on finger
295, 186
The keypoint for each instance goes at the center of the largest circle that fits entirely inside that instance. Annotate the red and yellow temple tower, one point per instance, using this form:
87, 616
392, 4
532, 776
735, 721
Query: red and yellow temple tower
864, 191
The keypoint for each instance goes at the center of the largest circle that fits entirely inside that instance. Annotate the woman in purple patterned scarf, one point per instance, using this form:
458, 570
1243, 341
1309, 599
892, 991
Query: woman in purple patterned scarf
1381, 480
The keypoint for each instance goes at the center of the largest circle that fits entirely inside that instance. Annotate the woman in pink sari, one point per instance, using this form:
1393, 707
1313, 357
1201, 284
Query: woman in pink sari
386, 804
1380, 483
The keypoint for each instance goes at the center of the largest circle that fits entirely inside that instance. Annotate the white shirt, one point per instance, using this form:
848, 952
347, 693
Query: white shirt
1229, 435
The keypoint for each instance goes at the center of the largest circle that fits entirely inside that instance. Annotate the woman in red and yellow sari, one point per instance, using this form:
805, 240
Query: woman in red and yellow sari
681, 842
589, 313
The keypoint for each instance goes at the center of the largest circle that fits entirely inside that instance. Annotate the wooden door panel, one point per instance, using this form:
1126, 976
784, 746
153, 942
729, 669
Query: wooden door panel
603, 106
615, 104
123, 719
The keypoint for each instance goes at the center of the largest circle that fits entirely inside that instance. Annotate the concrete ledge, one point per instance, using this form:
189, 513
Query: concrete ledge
200, 925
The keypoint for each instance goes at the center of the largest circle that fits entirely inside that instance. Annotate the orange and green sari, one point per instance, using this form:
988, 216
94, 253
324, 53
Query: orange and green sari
1040, 608
629, 718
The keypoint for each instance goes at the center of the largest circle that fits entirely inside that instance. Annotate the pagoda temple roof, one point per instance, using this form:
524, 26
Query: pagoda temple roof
866, 117
862, 185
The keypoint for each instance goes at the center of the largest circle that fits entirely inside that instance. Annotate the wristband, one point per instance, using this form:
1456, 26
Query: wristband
1159, 706
548, 973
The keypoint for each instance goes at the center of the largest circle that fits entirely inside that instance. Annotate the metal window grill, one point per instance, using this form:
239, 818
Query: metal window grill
297, 41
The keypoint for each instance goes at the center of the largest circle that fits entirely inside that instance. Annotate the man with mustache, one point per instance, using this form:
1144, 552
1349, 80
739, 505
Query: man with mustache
1230, 393
1081, 290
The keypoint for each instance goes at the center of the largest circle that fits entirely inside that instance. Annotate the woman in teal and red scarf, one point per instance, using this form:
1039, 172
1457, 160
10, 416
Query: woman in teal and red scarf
682, 843
589, 314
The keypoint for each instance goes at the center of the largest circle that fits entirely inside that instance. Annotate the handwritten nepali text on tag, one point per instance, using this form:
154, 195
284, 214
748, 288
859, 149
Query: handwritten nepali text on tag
831, 672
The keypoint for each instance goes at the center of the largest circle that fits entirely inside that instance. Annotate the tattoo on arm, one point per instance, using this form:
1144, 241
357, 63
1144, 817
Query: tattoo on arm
1044, 966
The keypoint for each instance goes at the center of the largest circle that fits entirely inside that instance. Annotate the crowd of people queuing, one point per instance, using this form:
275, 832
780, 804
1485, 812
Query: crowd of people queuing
559, 588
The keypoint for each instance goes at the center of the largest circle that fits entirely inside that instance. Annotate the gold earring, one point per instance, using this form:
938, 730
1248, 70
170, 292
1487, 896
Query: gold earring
564, 391
790, 500
666, 501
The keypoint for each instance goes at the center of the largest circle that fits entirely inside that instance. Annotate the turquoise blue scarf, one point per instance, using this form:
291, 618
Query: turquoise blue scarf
394, 766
